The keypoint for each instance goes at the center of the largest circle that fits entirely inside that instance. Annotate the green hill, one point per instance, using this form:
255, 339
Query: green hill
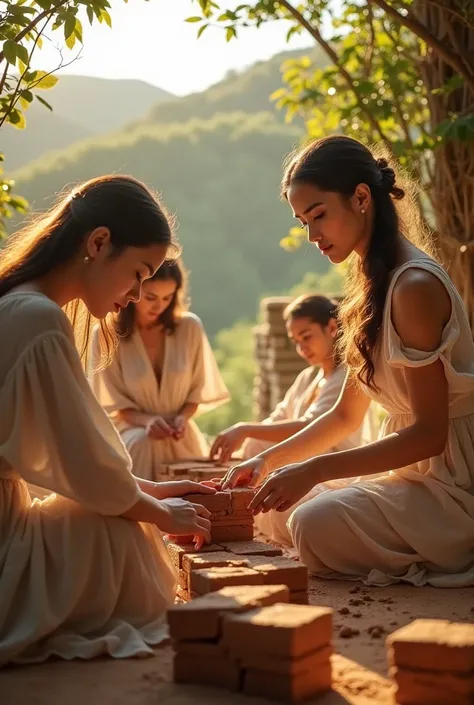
247, 91
82, 106
220, 176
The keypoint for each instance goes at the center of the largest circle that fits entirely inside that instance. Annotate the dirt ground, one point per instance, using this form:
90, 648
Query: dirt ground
359, 666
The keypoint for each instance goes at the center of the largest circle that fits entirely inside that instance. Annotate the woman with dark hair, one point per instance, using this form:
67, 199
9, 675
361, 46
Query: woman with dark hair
163, 373
407, 344
85, 572
311, 324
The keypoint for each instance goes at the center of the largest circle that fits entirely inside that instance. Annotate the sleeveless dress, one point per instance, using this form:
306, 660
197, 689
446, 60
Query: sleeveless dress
76, 579
415, 524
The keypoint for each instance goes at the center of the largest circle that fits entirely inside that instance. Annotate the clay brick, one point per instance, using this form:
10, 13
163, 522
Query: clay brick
241, 498
233, 520
231, 533
218, 502
201, 618
183, 594
200, 649
282, 630
299, 597
202, 474
433, 644
177, 551
246, 516
293, 667
212, 579
183, 582
219, 672
198, 561
433, 687
281, 570
251, 548
289, 689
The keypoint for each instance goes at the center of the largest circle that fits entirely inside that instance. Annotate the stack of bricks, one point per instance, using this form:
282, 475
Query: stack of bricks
278, 362
250, 639
432, 661
233, 558
196, 469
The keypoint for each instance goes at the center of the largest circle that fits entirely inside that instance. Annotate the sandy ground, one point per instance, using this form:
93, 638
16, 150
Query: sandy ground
359, 666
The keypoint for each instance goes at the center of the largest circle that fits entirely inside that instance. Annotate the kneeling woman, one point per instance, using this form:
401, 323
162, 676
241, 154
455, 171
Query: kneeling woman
311, 323
162, 373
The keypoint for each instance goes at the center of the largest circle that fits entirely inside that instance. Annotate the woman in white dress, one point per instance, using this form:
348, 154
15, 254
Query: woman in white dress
311, 322
407, 343
163, 372
85, 572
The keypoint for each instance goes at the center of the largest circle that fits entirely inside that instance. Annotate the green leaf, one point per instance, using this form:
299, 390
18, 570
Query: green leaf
105, 16
26, 97
44, 81
10, 51
193, 19
69, 35
230, 33
17, 119
90, 14
44, 102
201, 29
78, 29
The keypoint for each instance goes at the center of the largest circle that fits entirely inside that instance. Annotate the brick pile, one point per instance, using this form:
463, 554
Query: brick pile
278, 362
195, 469
432, 661
233, 558
249, 639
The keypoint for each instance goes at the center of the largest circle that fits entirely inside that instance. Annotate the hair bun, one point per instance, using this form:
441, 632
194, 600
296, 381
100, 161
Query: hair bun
389, 178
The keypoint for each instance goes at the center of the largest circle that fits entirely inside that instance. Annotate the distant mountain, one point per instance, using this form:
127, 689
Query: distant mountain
103, 105
82, 106
44, 132
248, 91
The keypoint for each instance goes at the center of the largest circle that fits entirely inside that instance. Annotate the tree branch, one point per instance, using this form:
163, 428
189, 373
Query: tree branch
42, 15
455, 13
421, 31
314, 32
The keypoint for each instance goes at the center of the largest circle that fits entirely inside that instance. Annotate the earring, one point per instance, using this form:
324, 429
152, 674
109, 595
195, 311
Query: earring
87, 259
362, 210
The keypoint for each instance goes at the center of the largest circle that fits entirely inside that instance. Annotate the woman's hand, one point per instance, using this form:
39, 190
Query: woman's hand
158, 428
180, 488
178, 424
285, 487
183, 518
227, 442
248, 474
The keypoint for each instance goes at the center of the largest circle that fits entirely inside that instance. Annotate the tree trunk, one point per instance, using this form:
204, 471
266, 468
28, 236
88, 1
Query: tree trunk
452, 185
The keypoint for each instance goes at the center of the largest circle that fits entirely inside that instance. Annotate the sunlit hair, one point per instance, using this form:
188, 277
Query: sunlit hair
132, 213
317, 308
338, 164
169, 319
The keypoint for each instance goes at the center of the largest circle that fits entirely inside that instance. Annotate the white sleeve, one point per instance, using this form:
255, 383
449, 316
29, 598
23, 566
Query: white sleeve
107, 383
55, 434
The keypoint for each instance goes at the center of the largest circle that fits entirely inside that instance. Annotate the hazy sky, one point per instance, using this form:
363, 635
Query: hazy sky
151, 41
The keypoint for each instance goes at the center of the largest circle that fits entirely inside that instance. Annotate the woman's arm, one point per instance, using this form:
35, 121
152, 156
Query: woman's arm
420, 310
134, 417
188, 410
323, 433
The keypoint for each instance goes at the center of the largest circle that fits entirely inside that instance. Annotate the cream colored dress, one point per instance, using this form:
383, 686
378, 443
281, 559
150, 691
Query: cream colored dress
415, 524
190, 374
310, 396
76, 580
